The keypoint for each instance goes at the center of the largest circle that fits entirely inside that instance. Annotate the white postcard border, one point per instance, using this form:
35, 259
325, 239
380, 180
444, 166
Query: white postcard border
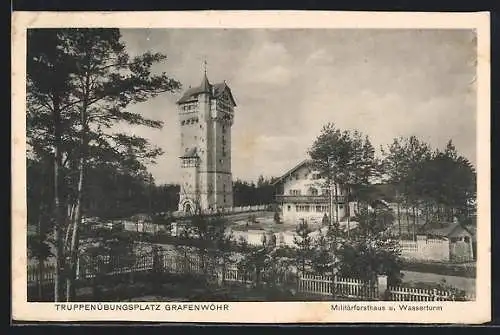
478, 311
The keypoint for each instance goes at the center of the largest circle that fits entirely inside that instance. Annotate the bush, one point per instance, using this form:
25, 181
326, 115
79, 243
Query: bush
277, 219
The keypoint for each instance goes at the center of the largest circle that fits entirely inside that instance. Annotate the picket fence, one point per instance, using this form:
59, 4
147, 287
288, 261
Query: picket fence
342, 287
425, 249
416, 294
305, 283
229, 210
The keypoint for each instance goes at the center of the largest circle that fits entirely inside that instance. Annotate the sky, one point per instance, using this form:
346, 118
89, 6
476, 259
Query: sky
289, 83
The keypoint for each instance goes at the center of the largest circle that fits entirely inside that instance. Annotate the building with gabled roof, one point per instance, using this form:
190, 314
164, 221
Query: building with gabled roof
302, 194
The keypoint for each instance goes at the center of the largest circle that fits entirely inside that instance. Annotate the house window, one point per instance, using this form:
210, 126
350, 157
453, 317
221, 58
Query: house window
313, 191
289, 208
466, 239
454, 239
302, 208
294, 192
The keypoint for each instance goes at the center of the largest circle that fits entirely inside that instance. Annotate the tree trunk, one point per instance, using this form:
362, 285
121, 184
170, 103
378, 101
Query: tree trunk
59, 206
398, 209
70, 226
348, 212
41, 270
414, 222
426, 213
336, 203
41, 259
70, 289
408, 225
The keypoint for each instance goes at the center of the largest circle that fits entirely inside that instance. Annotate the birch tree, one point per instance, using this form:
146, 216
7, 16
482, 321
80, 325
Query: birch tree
330, 154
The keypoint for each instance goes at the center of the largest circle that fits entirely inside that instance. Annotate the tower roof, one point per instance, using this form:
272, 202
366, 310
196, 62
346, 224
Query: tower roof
215, 90
205, 85
191, 153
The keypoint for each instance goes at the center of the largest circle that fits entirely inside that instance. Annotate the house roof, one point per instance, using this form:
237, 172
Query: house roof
448, 230
216, 90
291, 171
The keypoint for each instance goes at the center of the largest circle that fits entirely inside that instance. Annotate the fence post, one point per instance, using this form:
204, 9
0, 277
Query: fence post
299, 282
333, 287
382, 286
220, 276
156, 260
156, 268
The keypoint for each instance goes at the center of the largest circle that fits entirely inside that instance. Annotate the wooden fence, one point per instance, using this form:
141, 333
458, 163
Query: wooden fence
305, 283
416, 294
340, 287
234, 275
